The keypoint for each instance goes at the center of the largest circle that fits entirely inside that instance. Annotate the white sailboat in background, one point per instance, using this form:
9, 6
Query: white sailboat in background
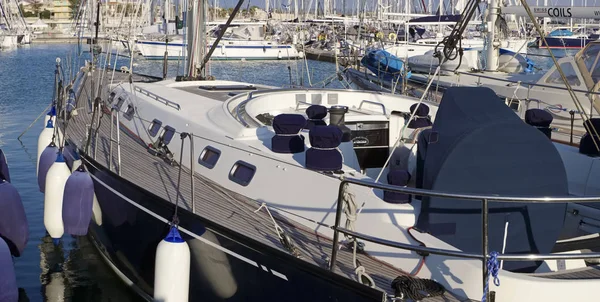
13, 28
242, 41
524, 88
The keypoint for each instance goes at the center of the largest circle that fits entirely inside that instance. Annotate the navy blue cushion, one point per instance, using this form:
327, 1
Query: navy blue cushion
288, 123
323, 156
325, 136
423, 109
397, 178
587, 146
323, 160
538, 118
287, 144
591, 124
422, 143
421, 118
419, 122
287, 139
316, 114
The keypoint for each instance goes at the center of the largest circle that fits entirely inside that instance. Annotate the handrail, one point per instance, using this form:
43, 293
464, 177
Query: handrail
158, 98
460, 254
501, 80
374, 103
423, 192
485, 199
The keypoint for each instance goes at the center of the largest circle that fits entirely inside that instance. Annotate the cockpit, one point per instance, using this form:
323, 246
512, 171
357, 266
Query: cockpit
332, 130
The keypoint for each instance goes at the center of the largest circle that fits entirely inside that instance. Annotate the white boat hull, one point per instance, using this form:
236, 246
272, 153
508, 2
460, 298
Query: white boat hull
226, 50
8, 41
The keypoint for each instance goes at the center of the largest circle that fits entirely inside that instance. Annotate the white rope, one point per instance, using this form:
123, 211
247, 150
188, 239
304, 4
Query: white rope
278, 229
349, 208
351, 215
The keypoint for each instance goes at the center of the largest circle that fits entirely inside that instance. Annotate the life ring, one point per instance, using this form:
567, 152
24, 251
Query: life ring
392, 37
379, 35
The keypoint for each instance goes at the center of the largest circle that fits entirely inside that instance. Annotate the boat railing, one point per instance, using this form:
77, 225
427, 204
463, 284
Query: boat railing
157, 98
238, 111
480, 76
484, 199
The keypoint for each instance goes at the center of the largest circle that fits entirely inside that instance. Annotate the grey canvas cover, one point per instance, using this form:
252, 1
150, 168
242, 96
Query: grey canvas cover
483, 147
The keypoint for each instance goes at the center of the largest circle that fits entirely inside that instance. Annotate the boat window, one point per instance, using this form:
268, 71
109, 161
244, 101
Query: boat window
209, 157
154, 127
300, 98
570, 73
167, 135
120, 102
590, 56
111, 97
242, 173
332, 98
316, 99
129, 113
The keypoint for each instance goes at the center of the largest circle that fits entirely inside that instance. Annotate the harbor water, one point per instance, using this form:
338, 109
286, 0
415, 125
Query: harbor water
74, 270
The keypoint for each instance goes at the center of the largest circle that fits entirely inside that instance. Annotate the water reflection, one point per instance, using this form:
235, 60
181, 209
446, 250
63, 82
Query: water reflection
74, 271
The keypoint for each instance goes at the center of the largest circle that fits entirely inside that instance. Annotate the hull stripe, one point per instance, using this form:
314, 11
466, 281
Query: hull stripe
231, 253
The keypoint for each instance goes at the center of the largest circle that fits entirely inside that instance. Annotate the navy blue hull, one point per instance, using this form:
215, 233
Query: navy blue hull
128, 237
554, 42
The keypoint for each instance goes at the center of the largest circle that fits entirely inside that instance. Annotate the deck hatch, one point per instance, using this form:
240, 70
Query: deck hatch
226, 87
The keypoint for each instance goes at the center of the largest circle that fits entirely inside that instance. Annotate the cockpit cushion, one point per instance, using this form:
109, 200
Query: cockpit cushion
323, 154
397, 178
587, 145
287, 139
540, 119
315, 114
421, 118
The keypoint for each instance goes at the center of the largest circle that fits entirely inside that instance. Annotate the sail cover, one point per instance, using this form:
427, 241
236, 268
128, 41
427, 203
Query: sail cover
484, 148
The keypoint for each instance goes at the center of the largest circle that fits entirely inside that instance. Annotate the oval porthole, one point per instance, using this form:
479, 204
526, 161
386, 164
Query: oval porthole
209, 157
154, 127
242, 173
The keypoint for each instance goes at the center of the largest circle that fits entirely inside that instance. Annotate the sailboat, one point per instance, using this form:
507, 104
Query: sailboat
263, 183
524, 89
242, 41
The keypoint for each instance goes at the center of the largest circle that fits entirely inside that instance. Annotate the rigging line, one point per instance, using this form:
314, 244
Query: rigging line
412, 115
574, 97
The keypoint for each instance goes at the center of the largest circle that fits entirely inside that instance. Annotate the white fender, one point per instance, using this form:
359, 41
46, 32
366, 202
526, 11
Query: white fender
172, 269
53, 199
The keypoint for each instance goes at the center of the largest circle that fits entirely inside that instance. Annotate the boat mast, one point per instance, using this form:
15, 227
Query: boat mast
492, 43
196, 37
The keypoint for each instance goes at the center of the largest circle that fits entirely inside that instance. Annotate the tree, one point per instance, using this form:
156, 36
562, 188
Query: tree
74, 6
46, 14
36, 7
253, 9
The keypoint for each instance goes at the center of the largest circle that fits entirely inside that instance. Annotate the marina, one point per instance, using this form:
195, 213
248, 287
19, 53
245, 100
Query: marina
369, 151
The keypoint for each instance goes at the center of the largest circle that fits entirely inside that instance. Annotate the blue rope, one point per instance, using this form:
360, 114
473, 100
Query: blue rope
493, 266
